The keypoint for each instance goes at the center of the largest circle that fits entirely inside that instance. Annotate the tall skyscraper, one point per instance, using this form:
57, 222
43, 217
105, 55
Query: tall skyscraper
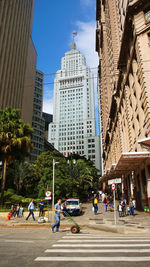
17, 56
74, 129
38, 123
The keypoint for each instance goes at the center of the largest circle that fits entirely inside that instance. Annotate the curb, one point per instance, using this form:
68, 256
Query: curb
104, 228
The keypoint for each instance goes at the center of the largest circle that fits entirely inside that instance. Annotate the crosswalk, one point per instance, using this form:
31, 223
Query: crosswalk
98, 247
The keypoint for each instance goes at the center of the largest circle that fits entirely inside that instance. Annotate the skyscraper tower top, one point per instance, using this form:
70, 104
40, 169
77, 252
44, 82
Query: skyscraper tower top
73, 46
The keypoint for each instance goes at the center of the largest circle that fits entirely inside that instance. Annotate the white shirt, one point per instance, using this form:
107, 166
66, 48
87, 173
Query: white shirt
120, 208
31, 206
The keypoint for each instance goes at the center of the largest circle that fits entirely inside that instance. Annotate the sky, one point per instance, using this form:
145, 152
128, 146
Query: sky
53, 25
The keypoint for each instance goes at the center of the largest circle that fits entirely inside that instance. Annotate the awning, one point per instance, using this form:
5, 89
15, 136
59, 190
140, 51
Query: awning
145, 142
131, 160
128, 162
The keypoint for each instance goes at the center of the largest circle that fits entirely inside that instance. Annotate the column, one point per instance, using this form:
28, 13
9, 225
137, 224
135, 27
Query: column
147, 172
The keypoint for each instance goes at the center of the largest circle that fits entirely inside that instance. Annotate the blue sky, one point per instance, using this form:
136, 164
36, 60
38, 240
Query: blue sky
53, 24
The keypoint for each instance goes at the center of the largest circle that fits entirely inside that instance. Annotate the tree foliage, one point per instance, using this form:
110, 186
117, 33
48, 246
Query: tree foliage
67, 184
15, 139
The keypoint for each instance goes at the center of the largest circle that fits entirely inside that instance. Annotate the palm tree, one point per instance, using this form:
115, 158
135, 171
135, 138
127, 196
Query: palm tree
15, 139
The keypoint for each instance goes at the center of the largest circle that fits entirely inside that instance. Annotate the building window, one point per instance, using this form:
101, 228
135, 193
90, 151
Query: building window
147, 15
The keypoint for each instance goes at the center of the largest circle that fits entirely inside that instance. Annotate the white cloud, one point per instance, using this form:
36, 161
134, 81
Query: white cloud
48, 100
86, 2
48, 105
85, 41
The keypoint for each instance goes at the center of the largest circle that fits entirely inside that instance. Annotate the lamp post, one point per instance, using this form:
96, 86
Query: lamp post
71, 170
53, 195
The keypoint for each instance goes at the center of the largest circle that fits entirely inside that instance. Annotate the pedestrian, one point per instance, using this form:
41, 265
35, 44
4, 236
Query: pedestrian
111, 202
41, 206
17, 210
20, 211
128, 210
131, 207
103, 196
88, 198
95, 205
31, 208
12, 211
57, 210
64, 208
120, 208
123, 208
105, 204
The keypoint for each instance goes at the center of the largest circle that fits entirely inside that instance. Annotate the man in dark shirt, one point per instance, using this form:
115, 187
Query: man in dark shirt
41, 206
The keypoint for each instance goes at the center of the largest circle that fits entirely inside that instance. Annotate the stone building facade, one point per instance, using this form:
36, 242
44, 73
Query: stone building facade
123, 46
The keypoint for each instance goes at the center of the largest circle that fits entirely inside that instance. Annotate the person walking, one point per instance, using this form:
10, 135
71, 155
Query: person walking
105, 203
31, 208
57, 210
21, 211
17, 210
41, 206
103, 196
95, 205
131, 207
120, 208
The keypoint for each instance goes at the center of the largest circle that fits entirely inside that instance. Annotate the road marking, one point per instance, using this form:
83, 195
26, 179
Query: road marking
18, 241
100, 245
96, 250
101, 241
93, 259
104, 237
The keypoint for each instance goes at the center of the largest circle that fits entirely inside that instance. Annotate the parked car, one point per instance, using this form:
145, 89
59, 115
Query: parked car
74, 207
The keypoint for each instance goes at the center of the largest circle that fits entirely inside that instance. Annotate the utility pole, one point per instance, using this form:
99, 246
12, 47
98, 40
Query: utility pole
53, 193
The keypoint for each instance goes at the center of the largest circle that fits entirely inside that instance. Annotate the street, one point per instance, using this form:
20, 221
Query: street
40, 247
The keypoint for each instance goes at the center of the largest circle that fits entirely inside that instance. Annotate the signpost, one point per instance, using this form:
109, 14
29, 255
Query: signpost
113, 187
48, 196
115, 181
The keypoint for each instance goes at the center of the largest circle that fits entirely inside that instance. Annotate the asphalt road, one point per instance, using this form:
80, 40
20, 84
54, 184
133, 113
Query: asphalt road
41, 248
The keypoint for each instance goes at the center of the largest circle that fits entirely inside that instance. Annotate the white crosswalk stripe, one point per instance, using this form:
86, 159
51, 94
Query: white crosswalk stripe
97, 247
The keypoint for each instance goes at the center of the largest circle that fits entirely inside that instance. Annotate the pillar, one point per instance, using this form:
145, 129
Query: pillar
147, 172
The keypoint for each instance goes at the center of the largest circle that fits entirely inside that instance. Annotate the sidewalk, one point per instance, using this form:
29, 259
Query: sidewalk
103, 221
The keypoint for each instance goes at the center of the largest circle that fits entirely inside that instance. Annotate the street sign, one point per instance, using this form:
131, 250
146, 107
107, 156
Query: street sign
114, 181
48, 198
48, 193
113, 186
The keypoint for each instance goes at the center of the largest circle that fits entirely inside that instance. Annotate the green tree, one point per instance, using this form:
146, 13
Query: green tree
21, 177
84, 174
15, 139
44, 173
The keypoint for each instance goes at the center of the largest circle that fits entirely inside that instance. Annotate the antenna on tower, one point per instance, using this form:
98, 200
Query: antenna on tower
74, 34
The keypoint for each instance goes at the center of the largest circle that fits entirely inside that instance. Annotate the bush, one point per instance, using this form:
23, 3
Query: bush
9, 193
16, 199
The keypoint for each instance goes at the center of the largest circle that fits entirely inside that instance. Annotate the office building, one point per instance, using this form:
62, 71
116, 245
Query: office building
48, 118
123, 46
74, 129
38, 122
17, 56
